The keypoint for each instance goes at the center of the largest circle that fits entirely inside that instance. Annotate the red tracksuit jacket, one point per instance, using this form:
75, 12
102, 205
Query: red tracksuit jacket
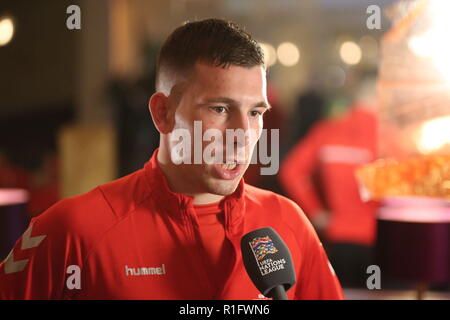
135, 239
335, 149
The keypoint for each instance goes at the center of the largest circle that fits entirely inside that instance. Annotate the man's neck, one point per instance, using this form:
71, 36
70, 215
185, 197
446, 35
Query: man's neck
173, 181
206, 198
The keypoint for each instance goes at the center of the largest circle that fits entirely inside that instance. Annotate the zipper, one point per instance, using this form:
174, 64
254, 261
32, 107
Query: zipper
197, 243
236, 250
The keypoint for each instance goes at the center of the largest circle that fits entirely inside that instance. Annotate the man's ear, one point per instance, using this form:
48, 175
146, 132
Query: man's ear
159, 106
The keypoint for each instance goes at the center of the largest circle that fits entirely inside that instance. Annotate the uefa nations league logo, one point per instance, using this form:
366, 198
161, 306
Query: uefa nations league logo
262, 246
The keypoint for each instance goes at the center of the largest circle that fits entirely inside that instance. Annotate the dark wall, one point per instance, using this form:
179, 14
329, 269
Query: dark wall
37, 67
37, 79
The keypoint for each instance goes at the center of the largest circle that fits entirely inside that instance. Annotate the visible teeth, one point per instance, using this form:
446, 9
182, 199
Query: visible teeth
229, 166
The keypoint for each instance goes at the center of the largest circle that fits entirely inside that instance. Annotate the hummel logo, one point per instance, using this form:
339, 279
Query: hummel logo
28, 242
145, 271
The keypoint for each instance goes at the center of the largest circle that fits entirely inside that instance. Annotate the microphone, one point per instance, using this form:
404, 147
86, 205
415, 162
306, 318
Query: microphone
268, 262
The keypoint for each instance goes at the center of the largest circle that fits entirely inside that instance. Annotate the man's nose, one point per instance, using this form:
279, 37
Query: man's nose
241, 126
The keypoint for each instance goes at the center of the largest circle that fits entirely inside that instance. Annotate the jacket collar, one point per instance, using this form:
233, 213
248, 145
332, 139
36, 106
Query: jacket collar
180, 206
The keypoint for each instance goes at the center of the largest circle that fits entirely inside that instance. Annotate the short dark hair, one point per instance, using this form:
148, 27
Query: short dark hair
215, 41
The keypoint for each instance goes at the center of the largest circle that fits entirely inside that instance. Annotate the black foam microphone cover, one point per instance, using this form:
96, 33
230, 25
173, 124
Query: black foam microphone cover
268, 261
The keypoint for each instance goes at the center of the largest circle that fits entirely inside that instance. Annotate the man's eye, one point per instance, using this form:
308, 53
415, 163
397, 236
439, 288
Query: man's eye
219, 109
255, 113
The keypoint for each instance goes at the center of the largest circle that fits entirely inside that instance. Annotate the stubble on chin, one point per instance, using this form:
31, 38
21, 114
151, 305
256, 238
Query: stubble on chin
220, 186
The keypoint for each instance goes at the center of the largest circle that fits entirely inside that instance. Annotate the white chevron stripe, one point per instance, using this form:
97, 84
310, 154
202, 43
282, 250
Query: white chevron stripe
30, 242
12, 266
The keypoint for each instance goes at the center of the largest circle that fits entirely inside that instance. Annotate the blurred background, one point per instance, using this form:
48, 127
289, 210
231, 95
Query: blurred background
73, 111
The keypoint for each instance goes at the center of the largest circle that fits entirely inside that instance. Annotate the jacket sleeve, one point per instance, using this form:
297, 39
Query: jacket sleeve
297, 170
37, 266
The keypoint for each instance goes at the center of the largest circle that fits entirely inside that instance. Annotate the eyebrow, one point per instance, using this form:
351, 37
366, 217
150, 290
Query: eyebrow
226, 100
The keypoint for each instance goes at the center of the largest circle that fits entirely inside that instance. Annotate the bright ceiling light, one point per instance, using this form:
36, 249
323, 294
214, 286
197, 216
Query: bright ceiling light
270, 55
434, 135
350, 53
432, 43
6, 30
288, 54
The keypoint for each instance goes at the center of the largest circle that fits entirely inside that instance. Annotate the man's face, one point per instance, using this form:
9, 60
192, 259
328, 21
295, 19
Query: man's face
221, 98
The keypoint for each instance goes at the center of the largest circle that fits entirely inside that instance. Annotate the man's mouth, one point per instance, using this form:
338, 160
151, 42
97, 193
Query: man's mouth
229, 166
228, 171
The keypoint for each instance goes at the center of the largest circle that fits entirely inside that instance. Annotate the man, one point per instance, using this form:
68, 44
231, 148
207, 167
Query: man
332, 151
172, 230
